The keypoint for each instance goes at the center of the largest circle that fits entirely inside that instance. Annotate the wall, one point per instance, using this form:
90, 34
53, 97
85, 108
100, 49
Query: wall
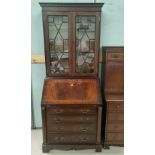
112, 34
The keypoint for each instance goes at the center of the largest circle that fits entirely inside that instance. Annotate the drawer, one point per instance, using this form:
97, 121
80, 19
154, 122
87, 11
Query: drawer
114, 137
84, 110
71, 118
115, 127
71, 139
115, 116
72, 128
115, 56
115, 106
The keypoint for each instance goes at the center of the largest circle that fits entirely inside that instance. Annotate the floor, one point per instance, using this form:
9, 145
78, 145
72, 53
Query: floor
36, 141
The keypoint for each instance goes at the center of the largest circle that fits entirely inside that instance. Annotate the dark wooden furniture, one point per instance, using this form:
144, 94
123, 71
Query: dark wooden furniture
114, 96
71, 101
71, 111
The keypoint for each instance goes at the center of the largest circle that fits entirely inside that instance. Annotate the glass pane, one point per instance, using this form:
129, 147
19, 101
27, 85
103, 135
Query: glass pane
85, 43
58, 43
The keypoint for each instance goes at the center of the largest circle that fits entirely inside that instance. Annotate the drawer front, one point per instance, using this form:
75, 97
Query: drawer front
84, 110
115, 56
115, 127
115, 106
114, 136
72, 128
71, 139
115, 116
71, 118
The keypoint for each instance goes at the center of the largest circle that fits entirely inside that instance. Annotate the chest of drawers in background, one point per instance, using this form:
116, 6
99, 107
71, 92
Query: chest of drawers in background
114, 96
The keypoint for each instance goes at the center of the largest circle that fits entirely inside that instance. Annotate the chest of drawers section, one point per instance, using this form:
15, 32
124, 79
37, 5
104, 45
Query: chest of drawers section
114, 129
71, 127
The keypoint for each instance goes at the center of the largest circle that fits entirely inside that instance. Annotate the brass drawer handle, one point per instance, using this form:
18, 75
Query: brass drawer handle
59, 138
59, 111
84, 119
118, 106
115, 55
84, 111
60, 129
84, 129
83, 139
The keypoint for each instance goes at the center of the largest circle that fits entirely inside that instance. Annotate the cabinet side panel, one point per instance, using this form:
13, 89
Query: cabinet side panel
99, 125
44, 123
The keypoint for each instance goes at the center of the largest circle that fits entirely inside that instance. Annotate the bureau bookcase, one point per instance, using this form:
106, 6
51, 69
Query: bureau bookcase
71, 99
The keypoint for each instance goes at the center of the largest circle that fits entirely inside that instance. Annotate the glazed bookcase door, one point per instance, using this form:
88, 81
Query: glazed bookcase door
71, 43
57, 42
87, 43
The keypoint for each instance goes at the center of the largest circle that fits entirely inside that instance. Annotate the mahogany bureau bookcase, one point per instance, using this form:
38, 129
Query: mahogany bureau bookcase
71, 99
114, 96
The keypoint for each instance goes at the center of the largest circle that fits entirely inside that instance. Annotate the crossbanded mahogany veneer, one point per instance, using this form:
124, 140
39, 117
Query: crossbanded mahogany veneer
71, 99
114, 96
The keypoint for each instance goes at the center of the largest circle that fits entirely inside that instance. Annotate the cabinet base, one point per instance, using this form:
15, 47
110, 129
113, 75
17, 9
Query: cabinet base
107, 146
46, 147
